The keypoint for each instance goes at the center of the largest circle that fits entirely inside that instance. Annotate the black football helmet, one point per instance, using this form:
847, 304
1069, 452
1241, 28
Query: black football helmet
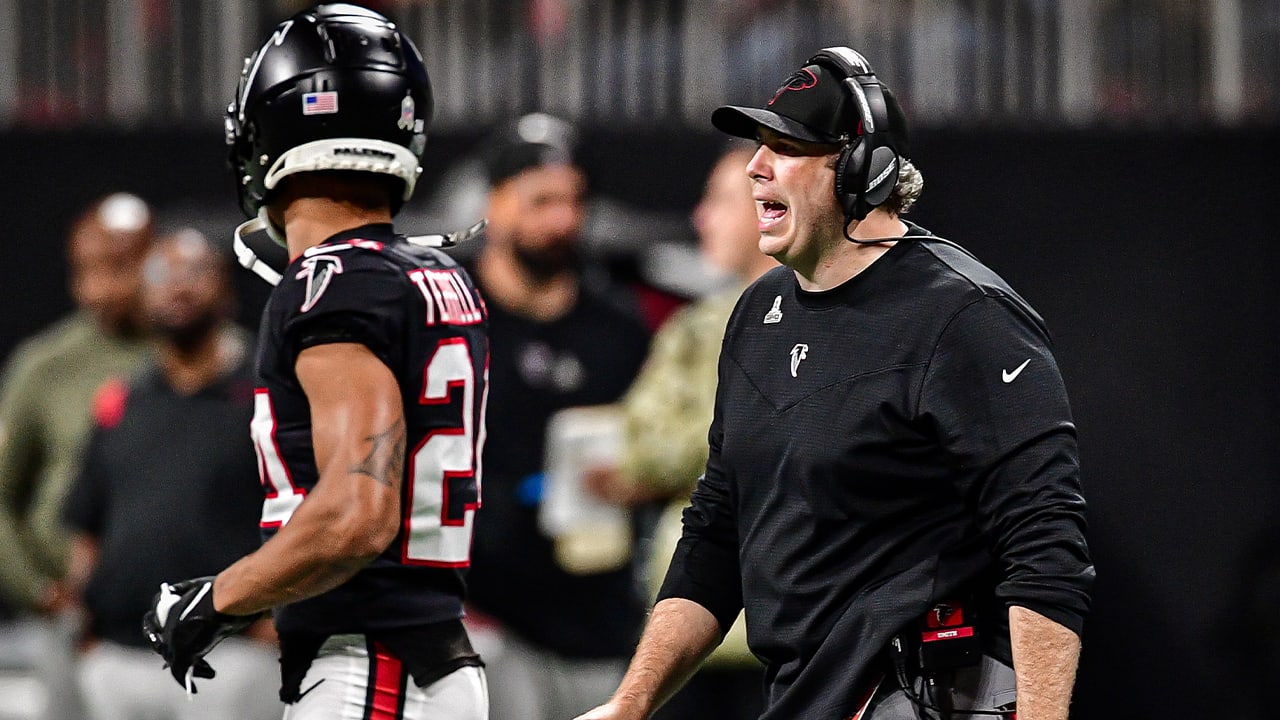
335, 87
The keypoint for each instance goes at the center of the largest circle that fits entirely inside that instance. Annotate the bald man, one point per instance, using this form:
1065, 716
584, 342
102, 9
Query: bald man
48, 387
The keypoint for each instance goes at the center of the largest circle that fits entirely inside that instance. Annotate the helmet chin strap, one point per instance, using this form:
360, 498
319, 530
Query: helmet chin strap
245, 254
249, 259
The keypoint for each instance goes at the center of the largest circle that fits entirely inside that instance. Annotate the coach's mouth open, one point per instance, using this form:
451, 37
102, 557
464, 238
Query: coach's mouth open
771, 213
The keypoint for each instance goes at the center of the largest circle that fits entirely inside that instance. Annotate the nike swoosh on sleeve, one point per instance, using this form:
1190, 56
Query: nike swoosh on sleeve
1009, 377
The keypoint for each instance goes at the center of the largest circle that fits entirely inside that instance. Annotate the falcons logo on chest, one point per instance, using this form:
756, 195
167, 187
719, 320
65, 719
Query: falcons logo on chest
798, 353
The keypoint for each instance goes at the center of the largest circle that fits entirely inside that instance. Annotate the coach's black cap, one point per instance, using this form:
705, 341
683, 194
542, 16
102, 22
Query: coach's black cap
534, 140
811, 105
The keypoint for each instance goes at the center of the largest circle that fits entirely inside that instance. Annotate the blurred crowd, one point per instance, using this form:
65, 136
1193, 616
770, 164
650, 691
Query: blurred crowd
1130, 62
125, 458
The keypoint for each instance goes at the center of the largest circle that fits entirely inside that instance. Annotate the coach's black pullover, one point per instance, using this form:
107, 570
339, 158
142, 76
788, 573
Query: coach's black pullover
874, 448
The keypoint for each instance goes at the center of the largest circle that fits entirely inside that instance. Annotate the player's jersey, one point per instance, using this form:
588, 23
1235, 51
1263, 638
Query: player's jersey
419, 313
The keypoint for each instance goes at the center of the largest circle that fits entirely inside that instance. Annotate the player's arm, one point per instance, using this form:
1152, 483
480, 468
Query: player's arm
679, 635
353, 513
1045, 655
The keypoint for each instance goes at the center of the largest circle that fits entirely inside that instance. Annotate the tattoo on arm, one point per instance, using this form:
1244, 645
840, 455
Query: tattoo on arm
385, 461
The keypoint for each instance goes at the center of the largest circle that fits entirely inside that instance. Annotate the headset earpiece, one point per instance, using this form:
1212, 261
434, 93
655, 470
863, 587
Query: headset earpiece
882, 176
867, 169
846, 176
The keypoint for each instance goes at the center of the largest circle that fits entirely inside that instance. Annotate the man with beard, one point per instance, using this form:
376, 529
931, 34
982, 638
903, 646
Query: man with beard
170, 489
555, 641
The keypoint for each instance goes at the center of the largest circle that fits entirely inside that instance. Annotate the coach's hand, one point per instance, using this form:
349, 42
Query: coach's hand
610, 711
182, 627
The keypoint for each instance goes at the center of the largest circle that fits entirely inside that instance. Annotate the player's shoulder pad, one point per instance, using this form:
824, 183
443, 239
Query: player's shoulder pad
424, 256
353, 254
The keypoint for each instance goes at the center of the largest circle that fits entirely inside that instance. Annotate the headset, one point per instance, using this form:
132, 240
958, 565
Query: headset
867, 169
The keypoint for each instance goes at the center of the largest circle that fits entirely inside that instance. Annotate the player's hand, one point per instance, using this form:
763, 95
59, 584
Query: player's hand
182, 627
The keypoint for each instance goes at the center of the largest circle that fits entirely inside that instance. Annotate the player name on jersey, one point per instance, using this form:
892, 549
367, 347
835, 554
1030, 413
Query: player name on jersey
448, 301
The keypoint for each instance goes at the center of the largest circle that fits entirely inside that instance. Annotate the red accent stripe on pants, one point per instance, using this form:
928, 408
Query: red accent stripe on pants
386, 696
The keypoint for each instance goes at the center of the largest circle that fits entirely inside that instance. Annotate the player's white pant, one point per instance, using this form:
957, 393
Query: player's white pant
127, 683
345, 683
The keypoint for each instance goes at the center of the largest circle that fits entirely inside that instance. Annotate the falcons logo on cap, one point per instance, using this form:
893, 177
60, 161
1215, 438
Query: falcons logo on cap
802, 79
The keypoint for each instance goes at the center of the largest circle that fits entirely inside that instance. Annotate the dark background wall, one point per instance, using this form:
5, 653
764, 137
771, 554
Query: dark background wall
1151, 257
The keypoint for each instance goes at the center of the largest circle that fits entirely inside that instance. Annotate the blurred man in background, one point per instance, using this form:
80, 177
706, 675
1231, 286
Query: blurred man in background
556, 641
49, 384
169, 488
667, 412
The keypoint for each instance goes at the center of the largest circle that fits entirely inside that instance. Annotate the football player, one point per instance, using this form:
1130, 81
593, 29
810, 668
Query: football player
369, 413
